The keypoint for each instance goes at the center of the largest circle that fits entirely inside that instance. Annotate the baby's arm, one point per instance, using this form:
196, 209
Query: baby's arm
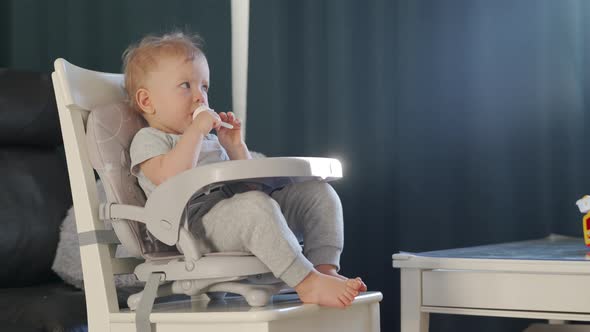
186, 152
238, 152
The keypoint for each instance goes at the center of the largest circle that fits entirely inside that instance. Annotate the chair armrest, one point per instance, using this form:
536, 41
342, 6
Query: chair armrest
165, 206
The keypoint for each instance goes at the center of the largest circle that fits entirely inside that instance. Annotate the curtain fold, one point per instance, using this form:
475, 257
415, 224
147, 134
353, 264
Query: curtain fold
458, 122
94, 34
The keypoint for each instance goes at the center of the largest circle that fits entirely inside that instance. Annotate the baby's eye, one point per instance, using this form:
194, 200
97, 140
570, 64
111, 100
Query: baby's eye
185, 85
206, 88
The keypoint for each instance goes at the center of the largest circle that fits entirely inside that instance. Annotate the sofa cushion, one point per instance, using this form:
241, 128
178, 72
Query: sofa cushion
28, 113
34, 198
35, 191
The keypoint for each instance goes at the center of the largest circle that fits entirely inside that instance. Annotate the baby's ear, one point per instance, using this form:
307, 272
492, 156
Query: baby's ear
142, 97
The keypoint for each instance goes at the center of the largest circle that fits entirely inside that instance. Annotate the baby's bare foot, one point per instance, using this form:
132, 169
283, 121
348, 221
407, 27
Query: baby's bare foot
326, 290
330, 270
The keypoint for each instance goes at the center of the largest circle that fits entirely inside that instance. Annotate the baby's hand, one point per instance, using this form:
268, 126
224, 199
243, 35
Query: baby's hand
230, 137
230, 118
207, 120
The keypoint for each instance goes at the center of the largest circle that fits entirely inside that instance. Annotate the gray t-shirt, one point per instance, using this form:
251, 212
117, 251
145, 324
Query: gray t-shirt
150, 142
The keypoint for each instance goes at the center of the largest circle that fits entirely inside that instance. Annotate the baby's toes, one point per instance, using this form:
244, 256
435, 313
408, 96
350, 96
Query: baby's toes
353, 284
345, 300
349, 296
352, 293
363, 287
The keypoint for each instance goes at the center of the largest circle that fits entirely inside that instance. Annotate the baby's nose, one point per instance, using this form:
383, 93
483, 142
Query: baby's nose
199, 97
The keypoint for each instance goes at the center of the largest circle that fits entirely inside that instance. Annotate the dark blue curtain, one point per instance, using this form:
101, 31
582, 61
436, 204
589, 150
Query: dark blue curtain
458, 122
94, 34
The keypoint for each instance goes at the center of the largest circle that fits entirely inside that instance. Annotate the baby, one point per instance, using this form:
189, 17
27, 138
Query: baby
167, 79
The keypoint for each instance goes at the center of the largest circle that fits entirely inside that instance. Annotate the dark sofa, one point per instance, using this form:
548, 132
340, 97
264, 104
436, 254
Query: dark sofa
34, 197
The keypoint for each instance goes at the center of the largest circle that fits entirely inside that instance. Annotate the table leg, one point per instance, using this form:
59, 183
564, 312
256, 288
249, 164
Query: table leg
412, 318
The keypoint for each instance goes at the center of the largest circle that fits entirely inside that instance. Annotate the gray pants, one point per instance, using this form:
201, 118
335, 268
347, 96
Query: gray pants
270, 227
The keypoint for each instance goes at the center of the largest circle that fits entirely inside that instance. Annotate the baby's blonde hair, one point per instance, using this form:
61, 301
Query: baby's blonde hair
141, 58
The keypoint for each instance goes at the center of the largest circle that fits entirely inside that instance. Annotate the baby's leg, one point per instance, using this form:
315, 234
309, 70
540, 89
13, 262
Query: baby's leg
253, 222
314, 213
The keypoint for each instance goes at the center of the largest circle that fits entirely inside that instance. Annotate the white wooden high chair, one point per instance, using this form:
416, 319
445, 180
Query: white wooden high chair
97, 129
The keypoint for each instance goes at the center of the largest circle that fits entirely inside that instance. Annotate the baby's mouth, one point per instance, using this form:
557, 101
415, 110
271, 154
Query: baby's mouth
204, 107
200, 108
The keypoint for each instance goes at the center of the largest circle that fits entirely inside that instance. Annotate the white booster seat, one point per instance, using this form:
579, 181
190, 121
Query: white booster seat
97, 128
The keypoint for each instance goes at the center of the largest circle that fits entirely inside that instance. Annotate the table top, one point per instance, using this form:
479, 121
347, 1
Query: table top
555, 249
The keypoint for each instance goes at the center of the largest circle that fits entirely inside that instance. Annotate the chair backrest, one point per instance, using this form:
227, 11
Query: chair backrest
98, 262
110, 127
109, 132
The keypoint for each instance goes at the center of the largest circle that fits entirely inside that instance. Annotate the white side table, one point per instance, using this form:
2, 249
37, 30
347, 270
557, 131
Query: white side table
541, 279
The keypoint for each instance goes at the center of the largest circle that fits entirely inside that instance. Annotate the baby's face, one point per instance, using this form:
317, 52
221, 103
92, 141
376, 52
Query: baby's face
177, 87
